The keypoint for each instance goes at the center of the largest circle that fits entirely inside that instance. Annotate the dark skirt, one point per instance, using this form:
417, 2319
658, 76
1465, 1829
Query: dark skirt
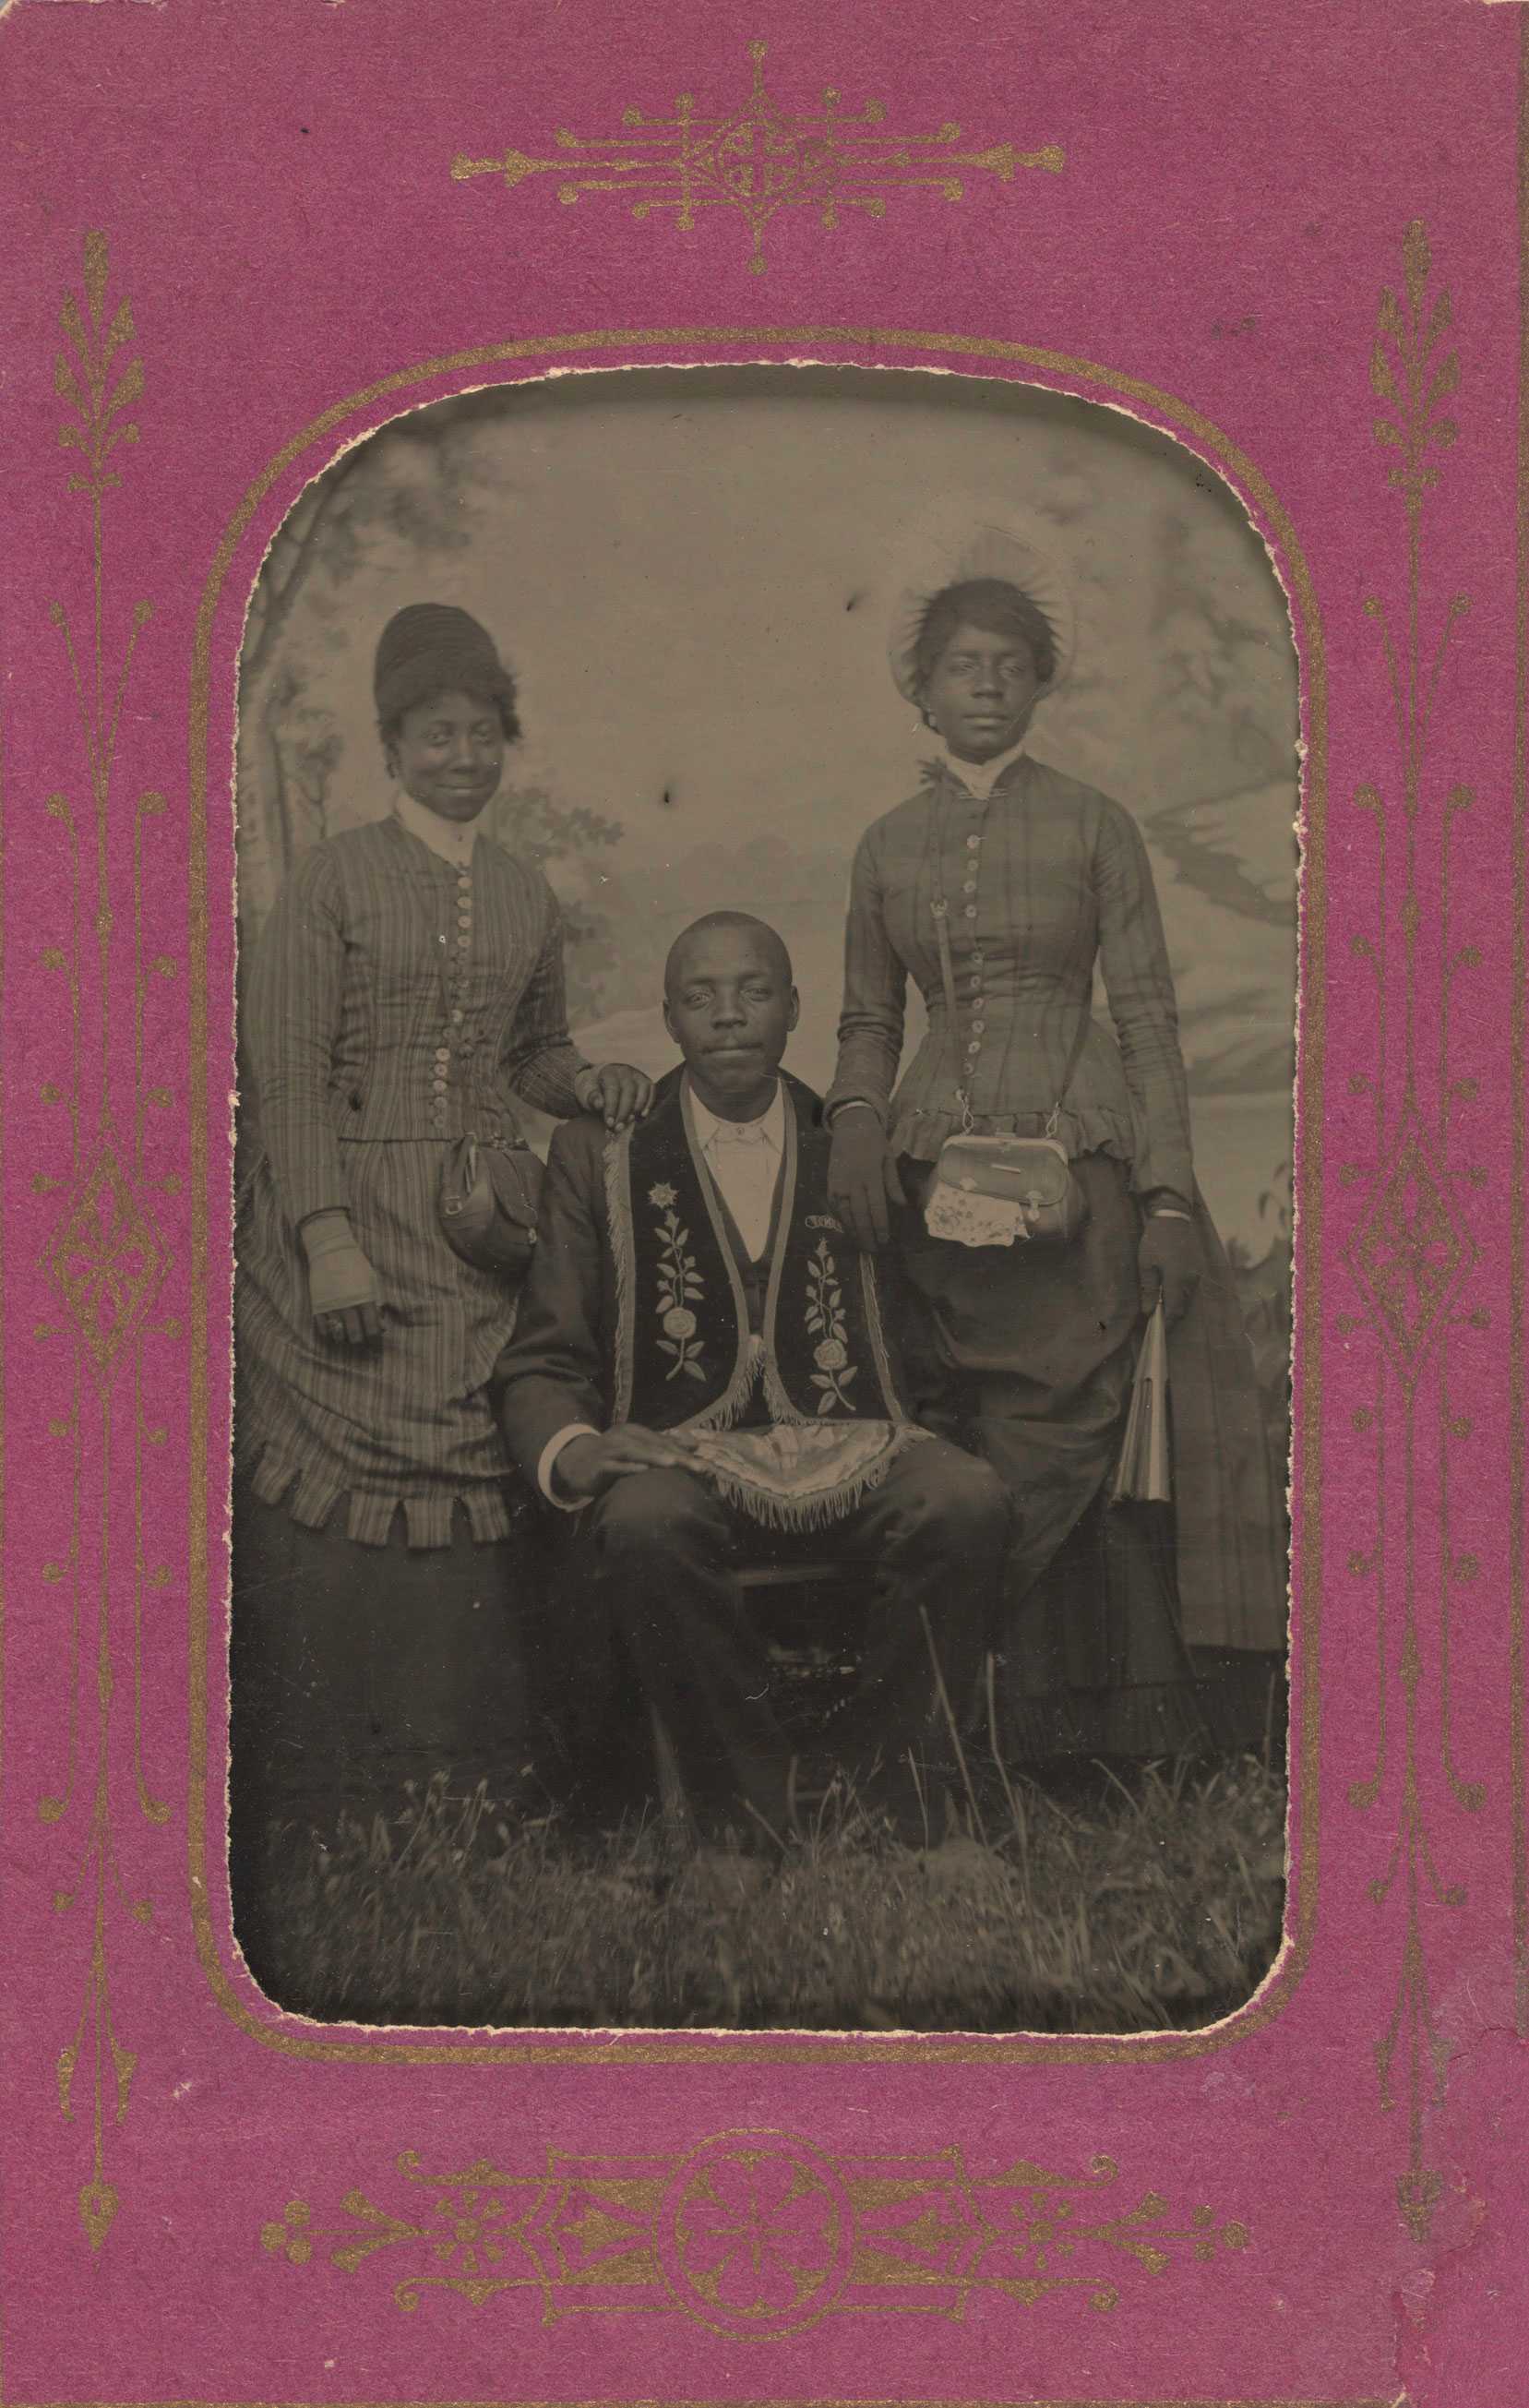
1027, 1354
358, 1672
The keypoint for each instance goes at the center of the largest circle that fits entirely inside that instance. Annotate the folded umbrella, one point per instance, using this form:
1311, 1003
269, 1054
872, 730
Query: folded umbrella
1144, 1473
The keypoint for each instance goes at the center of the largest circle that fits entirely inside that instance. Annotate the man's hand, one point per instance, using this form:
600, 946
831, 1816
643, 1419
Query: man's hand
616, 1094
863, 1181
1168, 1265
587, 1467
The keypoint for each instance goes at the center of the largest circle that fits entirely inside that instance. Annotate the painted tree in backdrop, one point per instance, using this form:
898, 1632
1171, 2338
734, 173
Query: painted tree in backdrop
410, 487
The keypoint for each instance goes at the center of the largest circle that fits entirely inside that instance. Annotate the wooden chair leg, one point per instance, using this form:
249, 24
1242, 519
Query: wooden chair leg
674, 1803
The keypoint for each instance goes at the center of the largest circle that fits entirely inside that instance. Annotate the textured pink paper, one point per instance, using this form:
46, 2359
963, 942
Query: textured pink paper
272, 181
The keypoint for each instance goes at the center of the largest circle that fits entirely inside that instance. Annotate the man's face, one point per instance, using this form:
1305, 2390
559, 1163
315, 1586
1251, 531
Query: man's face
730, 1008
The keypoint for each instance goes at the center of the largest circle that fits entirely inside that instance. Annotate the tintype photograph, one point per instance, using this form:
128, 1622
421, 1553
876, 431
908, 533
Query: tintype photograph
766, 907
765, 1340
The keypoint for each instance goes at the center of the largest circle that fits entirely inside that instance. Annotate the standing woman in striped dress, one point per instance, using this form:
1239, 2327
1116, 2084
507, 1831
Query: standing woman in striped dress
409, 984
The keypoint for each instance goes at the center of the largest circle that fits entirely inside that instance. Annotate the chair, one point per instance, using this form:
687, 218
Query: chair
808, 1610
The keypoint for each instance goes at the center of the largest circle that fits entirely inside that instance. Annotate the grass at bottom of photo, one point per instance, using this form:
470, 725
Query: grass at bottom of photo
1123, 1903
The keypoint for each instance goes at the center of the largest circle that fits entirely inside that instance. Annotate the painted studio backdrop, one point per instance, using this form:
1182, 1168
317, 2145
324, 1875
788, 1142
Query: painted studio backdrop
690, 573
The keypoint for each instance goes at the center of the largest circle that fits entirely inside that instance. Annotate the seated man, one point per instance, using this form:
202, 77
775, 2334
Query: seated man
701, 1370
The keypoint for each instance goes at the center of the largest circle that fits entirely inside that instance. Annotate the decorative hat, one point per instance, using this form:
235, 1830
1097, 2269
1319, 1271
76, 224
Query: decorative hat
433, 647
956, 543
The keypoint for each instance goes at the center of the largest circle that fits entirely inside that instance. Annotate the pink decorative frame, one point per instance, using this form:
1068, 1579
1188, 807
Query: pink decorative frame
1290, 239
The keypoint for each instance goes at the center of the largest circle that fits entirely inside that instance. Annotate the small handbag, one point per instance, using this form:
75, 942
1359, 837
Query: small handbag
489, 1199
1003, 1191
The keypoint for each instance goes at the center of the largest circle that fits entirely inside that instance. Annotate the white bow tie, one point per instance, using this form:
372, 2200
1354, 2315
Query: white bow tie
739, 1133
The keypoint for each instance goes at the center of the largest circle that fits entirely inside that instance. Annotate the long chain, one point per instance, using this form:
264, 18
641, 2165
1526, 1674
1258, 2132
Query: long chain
941, 906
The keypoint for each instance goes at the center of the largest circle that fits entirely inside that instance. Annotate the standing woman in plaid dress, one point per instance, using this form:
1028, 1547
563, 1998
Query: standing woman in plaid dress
1115, 1615
409, 985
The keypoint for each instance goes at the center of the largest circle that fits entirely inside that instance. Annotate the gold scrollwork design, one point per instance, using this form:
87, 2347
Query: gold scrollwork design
105, 1259
760, 160
1413, 1252
757, 2235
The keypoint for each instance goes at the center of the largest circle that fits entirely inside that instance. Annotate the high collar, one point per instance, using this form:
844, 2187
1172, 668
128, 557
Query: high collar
445, 838
772, 1120
980, 778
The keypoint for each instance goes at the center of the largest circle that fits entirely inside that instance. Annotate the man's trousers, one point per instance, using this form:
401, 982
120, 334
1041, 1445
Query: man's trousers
662, 1551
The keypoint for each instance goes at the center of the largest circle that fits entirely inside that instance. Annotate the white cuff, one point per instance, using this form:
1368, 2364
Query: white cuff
550, 1453
1169, 1212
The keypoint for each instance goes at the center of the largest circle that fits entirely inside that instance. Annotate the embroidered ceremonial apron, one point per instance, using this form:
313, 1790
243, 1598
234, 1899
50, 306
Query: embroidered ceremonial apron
795, 1420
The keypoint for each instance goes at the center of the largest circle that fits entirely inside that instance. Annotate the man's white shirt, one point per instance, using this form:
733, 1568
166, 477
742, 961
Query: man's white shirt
744, 1160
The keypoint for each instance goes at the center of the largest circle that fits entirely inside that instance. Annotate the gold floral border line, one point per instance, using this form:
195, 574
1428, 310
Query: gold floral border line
104, 1260
770, 345
758, 2236
1413, 1252
760, 160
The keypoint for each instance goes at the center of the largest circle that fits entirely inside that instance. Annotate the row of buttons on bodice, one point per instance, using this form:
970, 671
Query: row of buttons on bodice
456, 988
978, 1024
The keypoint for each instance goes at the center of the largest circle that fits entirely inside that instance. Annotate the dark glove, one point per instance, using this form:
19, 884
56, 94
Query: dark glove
1168, 1265
862, 1182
